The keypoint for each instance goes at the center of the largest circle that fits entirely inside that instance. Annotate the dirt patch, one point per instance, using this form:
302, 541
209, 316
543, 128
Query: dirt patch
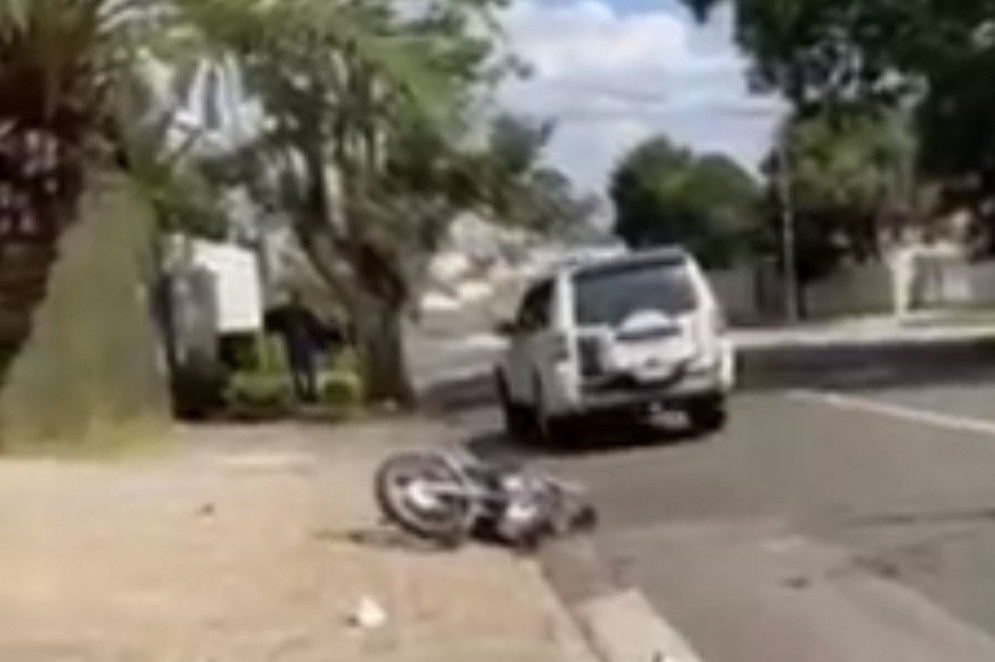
239, 547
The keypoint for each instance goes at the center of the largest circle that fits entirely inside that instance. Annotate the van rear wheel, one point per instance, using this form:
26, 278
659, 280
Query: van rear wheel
548, 428
517, 418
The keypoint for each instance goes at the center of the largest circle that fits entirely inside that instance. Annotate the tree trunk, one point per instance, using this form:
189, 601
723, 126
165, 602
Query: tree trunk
379, 337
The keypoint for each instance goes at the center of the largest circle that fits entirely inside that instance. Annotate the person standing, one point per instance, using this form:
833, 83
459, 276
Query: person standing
299, 337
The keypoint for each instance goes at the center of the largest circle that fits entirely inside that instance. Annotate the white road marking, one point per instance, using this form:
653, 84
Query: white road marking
900, 412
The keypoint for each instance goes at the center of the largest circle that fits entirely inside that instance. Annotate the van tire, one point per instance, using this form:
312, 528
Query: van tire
517, 418
547, 429
708, 415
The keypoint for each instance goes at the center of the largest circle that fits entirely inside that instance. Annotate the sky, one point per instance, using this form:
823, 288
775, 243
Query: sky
611, 73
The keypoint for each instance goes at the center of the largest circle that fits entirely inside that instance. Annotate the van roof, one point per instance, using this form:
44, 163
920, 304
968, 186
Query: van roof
669, 254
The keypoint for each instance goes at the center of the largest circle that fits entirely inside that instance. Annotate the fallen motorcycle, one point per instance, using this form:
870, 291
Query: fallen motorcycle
446, 499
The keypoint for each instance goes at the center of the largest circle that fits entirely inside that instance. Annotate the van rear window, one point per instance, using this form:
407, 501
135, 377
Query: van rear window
609, 295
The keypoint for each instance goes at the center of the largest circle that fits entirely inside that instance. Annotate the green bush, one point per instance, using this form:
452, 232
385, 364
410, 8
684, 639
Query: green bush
267, 393
271, 358
342, 391
260, 396
346, 360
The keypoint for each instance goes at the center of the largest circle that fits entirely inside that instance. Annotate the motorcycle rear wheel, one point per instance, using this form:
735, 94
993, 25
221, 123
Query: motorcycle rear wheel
425, 496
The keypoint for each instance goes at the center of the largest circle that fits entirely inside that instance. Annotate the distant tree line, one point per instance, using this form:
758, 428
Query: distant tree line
891, 126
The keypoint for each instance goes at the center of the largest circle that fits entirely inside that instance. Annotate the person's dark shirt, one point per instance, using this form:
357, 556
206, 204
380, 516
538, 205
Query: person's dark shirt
298, 329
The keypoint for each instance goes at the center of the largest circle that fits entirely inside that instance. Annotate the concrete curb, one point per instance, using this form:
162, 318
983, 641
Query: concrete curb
624, 627
851, 362
801, 338
618, 622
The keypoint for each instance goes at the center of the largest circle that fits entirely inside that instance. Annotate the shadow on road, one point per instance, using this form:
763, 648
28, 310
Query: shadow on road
477, 393
596, 437
460, 395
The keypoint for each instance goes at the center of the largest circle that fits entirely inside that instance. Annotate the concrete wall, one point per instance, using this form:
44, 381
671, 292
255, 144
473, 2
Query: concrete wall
856, 290
737, 289
938, 283
980, 286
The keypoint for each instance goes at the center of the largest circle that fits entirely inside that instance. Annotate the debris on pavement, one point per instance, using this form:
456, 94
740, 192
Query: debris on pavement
368, 615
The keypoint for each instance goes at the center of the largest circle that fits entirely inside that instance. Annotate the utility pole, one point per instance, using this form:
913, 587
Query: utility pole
788, 248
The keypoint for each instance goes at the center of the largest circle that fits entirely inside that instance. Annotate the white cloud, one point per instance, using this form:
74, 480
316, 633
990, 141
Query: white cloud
612, 78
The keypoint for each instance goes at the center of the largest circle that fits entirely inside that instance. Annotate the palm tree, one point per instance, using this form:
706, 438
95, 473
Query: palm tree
62, 64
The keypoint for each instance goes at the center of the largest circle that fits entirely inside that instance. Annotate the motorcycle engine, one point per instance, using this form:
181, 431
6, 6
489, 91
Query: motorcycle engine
523, 516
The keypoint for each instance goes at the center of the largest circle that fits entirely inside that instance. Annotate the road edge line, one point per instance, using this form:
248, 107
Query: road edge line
935, 419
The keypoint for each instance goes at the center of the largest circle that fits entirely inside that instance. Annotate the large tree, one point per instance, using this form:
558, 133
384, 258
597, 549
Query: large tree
75, 111
933, 58
819, 53
664, 194
364, 106
849, 186
520, 188
64, 65
853, 172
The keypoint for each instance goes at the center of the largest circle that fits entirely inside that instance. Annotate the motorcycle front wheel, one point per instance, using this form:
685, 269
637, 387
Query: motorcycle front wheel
425, 496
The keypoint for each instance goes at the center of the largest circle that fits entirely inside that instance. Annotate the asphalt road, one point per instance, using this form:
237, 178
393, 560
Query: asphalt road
849, 521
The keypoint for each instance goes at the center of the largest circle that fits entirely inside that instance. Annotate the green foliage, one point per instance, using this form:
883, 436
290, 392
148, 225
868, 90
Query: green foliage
854, 163
365, 113
824, 53
932, 58
850, 179
382, 93
260, 396
519, 188
664, 194
64, 62
516, 143
342, 392
956, 123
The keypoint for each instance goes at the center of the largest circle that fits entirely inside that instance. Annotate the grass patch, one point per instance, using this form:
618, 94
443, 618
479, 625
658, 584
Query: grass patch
104, 441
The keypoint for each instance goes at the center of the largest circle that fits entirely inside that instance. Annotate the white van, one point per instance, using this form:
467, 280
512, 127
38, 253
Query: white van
628, 334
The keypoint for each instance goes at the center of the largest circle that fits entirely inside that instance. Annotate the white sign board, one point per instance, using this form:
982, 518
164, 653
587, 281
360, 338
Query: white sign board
238, 290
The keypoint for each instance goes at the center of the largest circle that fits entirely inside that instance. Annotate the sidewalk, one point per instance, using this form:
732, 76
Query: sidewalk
915, 328
242, 547
869, 353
